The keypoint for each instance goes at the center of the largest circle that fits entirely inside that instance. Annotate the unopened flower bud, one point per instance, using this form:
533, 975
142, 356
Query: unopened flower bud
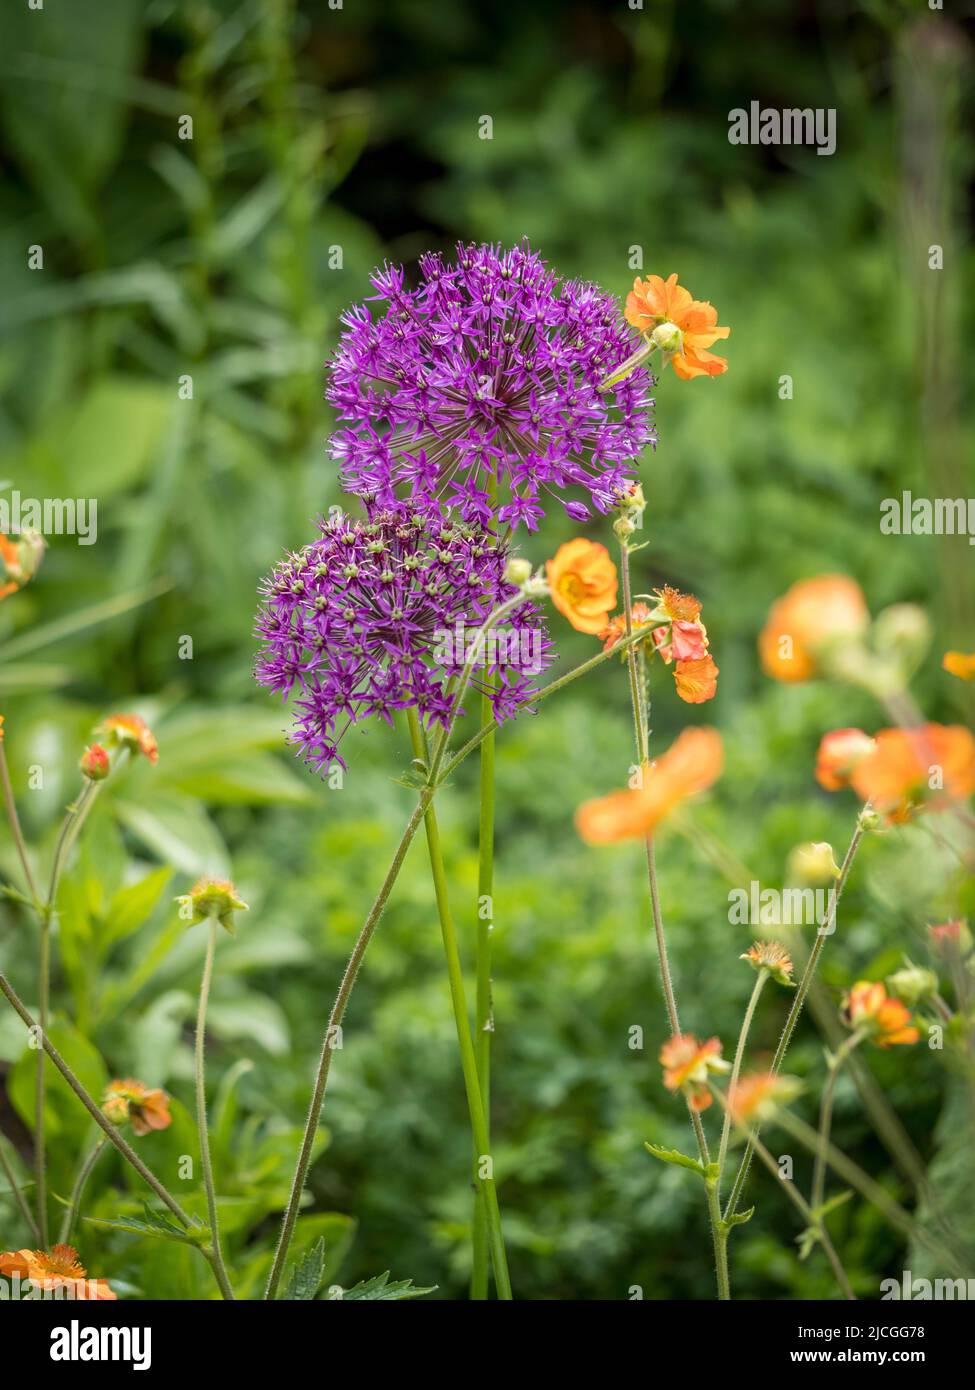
813, 864
902, 635
869, 820
518, 570
95, 763
668, 337
912, 984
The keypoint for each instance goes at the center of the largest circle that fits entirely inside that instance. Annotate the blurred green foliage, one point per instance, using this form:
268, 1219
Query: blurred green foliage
323, 141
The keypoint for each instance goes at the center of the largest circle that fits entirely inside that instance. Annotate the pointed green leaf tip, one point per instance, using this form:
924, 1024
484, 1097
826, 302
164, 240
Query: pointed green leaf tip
307, 1275
379, 1287
674, 1156
158, 1224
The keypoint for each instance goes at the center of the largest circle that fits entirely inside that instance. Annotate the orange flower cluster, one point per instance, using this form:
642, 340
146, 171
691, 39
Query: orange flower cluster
687, 1065
54, 1270
812, 616
887, 1021
682, 326
679, 636
132, 1100
691, 764
910, 769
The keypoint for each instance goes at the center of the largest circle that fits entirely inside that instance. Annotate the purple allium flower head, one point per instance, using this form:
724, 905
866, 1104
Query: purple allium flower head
483, 381
378, 615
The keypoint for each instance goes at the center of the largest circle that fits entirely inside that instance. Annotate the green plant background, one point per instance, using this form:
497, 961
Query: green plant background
357, 128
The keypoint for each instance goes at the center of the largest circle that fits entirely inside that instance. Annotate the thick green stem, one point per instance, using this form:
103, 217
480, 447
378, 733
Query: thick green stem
78, 1191
826, 929
483, 1014
219, 1268
720, 1234
736, 1067
458, 998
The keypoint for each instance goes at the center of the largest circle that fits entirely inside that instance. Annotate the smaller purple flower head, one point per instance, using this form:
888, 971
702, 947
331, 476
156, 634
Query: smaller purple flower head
380, 614
482, 383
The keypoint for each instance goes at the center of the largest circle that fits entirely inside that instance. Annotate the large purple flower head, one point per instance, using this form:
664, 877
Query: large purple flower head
377, 615
483, 382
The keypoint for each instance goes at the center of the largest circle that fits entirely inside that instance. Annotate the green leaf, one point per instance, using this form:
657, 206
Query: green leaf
131, 907
307, 1275
159, 1225
379, 1288
675, 1157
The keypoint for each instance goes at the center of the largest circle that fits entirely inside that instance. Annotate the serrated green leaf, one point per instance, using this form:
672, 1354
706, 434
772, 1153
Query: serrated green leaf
157, 1224
379, 1288
306, 1276
676, 1157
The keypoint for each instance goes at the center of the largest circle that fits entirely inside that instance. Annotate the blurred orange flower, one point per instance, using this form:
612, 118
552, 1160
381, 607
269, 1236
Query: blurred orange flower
887, 1021
657, 307
687, 1065
756, 1094
960, 664
130, 731
582, 579
931, 765
808, 617
839, 753
131, 1100
55, 1269
691, 764
615, 630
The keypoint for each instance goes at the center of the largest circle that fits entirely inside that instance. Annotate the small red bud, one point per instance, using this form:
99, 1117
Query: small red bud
94, 763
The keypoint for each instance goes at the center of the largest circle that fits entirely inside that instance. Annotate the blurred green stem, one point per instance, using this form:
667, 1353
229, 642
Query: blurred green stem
12, 816
799, 998
641, 727
19, 1197
475, 1104
78, 1191
219, 1268
826, 1116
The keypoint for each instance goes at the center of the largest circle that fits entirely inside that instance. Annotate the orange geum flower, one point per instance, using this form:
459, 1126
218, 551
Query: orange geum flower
582, 580
687, 1065
756, 1095
54, 1270
960, 664
683, 639
886, 1021
680, 325
930, 766
811, 616
690, 765
131, 1100
838, 754
130, 731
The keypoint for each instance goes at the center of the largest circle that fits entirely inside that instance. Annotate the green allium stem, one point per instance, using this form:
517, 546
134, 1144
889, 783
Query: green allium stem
483, 1017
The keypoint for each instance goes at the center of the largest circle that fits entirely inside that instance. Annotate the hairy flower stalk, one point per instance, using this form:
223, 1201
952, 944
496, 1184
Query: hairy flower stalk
638, 698
481, 387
